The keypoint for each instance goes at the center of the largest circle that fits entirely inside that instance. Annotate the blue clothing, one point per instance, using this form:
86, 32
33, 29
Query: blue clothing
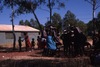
50, 43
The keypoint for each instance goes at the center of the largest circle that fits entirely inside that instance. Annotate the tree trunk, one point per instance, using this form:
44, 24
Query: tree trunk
50, 10
12, 20
14, 36
38, 23
14, 40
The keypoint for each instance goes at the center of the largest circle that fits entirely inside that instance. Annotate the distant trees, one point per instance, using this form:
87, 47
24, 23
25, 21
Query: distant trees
1, 6
32, 23
82, 26
56, 21
54, 4
68, 20
71, 20
29, 6
89, 28
98, 21
97, 24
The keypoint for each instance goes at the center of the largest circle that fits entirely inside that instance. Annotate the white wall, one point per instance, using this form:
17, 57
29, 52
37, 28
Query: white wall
2, 38
4, 41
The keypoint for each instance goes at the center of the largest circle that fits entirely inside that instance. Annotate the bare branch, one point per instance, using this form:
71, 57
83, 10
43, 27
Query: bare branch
44, 9
97, 7
89, 2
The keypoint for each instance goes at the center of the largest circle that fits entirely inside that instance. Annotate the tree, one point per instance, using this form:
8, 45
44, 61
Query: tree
69, 19
82, 26
95, 5
1, 6
29, 6
98, 21
21, 22
34, 24
31, 23
56, 21
25, 6
47, 24
52, 3
98, 16
11, 6
27, 23
89, 28
90, 24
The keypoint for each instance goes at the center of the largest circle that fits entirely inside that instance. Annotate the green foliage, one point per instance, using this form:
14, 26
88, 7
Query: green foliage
21, 22
1, 6
89, 26
54, 3
23, 6
82, 26
96, 24
98, 21
69, 18
56, 21
31, 23
98, 16
29, 6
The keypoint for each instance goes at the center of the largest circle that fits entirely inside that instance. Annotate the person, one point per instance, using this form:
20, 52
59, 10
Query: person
20, 44
51, 45
43, 43
97, 45
83, 41
80, 40
27, 41
39, 42
66, 41
33, 43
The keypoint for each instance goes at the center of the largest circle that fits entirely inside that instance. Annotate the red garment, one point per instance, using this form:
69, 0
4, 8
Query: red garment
28, 41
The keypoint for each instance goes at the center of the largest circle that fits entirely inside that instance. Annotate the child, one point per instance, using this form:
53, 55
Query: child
20, 44
33, 43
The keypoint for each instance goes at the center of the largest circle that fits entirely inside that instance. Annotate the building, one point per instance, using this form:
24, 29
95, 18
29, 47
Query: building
6, 35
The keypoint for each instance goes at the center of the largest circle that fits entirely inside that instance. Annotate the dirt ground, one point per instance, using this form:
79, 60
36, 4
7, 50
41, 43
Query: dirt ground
11, 54
7, 53
9, 57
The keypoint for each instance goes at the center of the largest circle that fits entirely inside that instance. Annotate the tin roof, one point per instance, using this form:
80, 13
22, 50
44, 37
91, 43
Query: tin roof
17, 28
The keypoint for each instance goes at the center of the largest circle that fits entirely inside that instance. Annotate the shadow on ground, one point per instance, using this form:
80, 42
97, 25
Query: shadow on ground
55, 62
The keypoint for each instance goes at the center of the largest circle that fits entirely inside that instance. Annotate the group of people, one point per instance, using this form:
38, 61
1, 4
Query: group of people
73, 41
28, 44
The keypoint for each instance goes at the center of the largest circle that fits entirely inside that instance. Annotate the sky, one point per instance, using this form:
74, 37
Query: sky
81, 9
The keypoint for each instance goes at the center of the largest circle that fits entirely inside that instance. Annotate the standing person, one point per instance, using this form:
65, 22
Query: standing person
65, 40
20, 44
39, 42
27, 41
33, 43
82, 42
51, 45
97, 45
